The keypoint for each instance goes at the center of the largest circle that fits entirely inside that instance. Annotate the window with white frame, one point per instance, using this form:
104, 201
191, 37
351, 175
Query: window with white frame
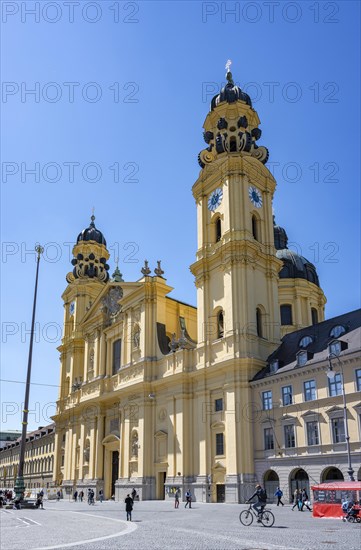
267, 400
309, 388
338, 430
335, 385
312, 433
289, 432
268, 439
287, 395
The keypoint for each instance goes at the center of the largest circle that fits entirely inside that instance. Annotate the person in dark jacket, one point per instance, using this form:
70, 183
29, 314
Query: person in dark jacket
304, 499
129, 507
261, 500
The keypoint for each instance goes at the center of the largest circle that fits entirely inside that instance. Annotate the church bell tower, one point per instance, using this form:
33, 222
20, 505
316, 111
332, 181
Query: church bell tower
236, 268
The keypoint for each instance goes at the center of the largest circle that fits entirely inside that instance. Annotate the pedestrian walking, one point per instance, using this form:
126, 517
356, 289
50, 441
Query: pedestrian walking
279, 495
81, 496
39, 501
304, 500
134, 494
176, 498
296, 498
101, 495
90, 496
58, 495
75, 496
188, 499
129, 507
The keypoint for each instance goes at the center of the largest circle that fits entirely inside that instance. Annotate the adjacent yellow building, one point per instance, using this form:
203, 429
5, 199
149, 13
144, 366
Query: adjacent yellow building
156, 394
39, 460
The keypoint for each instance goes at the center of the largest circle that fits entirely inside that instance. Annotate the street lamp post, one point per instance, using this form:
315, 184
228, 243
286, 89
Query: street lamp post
335, 348
19, 484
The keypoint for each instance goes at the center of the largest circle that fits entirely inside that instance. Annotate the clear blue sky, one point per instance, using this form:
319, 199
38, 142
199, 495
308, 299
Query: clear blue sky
154, 66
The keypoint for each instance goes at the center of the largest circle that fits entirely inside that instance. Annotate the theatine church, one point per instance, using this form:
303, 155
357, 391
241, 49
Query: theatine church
156, 394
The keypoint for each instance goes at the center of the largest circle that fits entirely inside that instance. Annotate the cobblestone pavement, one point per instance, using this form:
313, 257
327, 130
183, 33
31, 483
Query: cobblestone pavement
157, 525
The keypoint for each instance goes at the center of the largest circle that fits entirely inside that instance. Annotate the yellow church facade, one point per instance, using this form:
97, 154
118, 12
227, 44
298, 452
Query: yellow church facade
155, 393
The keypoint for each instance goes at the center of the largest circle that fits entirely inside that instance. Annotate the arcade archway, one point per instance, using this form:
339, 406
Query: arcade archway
270, 482
299, 480
331, 474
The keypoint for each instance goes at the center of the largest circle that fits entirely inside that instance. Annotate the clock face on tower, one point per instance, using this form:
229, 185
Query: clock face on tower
215, 199
72, 308
255, 197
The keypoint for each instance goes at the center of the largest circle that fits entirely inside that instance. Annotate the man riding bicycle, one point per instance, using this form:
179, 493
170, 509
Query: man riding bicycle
261, 500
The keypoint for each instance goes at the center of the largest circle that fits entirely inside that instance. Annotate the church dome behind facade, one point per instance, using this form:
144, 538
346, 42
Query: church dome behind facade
295, 266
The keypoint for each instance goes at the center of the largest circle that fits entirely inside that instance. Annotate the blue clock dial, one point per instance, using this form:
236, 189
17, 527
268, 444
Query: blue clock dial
255, 197
72, 308
215, 199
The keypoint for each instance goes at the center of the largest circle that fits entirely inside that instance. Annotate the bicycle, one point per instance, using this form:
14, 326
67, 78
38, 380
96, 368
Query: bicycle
265, 516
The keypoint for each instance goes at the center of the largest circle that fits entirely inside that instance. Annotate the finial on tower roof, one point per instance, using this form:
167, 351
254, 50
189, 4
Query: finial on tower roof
228, 73
92, 217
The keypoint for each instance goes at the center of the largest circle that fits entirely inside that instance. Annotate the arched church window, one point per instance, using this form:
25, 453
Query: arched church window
220, 324
314, 315
218, 229
259, 322
255, 228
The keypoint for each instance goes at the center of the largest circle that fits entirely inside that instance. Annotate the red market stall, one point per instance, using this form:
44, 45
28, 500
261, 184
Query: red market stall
328, 497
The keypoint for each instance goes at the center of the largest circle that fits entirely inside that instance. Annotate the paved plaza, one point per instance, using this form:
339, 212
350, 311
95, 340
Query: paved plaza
157, 525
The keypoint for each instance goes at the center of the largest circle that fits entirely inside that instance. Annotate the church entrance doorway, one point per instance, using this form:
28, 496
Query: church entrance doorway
161, 485
115, 470
221, 493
